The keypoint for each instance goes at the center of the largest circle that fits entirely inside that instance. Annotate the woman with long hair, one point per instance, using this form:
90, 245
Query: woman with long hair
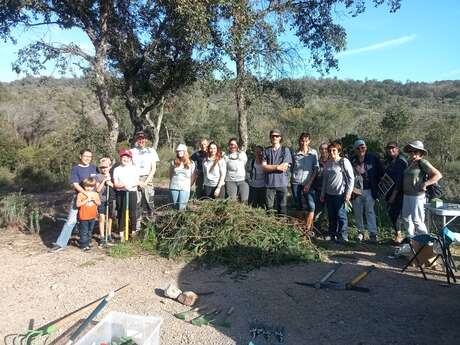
214, 171
338, 181
235, 179
182, 176
418, 175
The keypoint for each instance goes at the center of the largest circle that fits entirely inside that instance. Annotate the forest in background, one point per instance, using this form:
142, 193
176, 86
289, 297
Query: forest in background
45, 121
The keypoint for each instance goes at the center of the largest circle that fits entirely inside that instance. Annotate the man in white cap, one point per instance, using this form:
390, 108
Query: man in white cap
145, 160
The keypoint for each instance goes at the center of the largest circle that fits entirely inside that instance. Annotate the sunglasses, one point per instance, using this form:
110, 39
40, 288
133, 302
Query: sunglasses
276, 136
103, 167
361, 148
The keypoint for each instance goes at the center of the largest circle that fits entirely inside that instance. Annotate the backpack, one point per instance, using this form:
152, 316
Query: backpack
432, 191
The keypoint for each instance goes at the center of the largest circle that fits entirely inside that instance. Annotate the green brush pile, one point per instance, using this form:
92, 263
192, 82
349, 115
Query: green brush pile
231, 234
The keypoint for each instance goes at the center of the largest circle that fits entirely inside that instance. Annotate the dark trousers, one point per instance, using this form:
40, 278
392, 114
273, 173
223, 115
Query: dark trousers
199, 190
121, 210
338, 221
209, 192
278, 195
86, 231
257, 197
394, 210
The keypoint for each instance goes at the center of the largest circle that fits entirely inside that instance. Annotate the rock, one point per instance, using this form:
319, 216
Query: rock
172, 291
187, 298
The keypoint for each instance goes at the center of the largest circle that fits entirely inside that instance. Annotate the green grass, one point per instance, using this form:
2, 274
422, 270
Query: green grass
124, 250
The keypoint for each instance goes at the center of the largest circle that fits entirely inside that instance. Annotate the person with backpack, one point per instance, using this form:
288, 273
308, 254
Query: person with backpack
394, 165
236, 186
368, 172
79, 172
304, 170
256, 179
418, 176
276, 162
338, 181
318, 184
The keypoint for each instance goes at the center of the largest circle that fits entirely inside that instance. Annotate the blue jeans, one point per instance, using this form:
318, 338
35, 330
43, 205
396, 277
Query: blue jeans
338, 222
70, 223
303, 201
179, 198
86, 231
364, 205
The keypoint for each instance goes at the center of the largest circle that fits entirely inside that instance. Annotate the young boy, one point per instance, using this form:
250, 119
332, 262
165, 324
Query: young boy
87, 211
107, 196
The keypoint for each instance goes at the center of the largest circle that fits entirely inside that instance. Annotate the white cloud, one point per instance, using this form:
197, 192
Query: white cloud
453, 72
382, 45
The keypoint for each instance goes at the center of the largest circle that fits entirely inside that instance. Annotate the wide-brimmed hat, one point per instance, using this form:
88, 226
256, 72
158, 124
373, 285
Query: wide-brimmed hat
415, 145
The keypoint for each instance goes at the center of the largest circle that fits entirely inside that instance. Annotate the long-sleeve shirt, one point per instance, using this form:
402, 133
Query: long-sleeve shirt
338, 177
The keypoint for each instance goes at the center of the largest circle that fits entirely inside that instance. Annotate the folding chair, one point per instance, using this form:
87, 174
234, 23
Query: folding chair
443, 239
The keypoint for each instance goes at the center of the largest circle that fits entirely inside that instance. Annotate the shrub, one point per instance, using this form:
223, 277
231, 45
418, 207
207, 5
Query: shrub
232, 234
17, 210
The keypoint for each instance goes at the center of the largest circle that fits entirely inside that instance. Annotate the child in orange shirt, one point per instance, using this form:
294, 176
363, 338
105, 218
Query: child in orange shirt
87, 204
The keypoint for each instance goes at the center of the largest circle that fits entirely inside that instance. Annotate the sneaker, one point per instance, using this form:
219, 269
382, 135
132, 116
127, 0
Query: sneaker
86, 249
360, 236
344, 238
56, 248
373, 238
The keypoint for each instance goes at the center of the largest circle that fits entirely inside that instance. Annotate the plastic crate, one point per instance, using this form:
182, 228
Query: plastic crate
144, 330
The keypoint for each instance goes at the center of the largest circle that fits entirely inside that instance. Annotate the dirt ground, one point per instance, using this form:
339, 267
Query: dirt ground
400, 308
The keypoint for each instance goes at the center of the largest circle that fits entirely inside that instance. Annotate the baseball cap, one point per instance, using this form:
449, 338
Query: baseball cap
125, 152
181, 147
358, 143
140, 135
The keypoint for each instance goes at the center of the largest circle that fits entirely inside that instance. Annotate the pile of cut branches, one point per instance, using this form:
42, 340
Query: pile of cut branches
231, 234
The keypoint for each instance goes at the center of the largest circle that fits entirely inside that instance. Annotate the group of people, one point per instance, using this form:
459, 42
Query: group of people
327, 180
124, 189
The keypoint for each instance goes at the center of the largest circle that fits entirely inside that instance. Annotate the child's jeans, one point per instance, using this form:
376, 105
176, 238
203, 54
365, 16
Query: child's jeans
86, 231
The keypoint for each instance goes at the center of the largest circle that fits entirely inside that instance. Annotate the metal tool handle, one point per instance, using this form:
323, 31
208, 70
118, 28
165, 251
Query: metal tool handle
326, 277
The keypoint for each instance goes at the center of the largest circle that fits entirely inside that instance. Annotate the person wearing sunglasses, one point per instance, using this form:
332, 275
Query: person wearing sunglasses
418, 175
236, 186
368, 171
276, 162
394, 165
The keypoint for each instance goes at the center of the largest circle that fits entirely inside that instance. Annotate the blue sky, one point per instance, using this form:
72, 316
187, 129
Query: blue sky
420, 42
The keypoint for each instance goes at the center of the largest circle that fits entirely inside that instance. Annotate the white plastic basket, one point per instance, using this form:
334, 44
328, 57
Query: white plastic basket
144, 330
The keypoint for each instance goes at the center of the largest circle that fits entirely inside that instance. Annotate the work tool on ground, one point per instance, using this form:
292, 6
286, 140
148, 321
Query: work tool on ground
127, 216
206, 318
322, 282
46, 330
224, 322
185, 315
351, 285
90, 318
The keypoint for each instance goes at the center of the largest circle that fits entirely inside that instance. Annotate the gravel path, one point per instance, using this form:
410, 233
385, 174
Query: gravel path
400, 308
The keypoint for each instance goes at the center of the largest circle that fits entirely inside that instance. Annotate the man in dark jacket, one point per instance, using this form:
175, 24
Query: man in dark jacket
368, 171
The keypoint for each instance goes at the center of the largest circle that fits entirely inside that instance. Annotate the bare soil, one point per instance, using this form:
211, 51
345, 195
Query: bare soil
400, 309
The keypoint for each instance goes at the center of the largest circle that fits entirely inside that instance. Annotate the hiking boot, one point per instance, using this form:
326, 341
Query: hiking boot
398, 237
373, 238
56, 249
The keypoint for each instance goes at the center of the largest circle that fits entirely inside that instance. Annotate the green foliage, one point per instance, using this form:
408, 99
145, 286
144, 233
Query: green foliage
17, 210
232, 234
123, 250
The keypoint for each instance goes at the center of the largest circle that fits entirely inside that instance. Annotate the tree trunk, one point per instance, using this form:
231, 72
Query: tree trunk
102, 82
240, 95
